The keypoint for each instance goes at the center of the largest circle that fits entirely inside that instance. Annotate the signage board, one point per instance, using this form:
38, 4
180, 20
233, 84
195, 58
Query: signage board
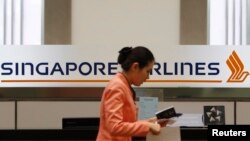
88, 66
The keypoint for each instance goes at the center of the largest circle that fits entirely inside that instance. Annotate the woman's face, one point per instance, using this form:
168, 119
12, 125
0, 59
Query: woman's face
142, 74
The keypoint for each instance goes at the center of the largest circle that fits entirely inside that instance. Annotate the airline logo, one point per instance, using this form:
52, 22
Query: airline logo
237, 69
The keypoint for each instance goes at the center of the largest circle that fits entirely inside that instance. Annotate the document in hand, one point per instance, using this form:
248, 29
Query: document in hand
168, 112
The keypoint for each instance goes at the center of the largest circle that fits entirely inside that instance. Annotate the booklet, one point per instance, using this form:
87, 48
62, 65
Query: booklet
168, 112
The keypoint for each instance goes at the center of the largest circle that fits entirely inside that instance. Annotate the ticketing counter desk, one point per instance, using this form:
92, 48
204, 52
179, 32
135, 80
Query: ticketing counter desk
42, 119
86, 129
183, 134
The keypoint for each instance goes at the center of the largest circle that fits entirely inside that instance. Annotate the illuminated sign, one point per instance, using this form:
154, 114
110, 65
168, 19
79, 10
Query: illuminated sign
76, 66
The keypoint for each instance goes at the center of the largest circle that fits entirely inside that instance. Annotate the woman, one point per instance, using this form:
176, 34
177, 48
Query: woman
118, 110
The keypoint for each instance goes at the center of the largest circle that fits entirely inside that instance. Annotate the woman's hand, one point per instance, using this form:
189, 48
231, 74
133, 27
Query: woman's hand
152, 120
156, 124
155, 128
163, 122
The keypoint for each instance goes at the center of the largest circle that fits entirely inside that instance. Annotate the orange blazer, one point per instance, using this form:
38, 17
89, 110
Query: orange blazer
118, 113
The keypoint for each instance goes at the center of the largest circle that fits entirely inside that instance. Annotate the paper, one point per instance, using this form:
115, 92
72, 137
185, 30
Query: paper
147, 107
167, 134
188, 120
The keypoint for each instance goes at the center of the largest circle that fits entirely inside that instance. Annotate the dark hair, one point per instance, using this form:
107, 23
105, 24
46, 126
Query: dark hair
128, 55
